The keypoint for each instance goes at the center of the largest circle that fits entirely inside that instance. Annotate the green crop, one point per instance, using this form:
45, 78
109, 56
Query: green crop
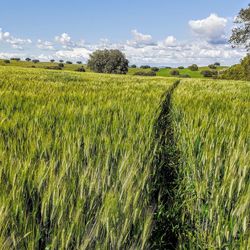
76, 159
212, 128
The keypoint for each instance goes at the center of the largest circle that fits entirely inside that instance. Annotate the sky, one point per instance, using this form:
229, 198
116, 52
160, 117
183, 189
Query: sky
159, 32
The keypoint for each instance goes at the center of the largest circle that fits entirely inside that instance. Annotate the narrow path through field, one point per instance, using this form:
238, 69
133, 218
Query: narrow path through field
164, 235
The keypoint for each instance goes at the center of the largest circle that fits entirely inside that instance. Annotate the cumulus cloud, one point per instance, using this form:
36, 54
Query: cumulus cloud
211, 28
140, 40
15, 42
44, 45
142, 49
74, 54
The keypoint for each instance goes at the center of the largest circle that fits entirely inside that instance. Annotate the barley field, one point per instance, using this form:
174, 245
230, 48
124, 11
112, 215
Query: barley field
95, 161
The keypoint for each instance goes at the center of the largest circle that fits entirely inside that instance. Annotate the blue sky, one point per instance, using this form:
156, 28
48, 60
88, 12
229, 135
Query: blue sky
155, 32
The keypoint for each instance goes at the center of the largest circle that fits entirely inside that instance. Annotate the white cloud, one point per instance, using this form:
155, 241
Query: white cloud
44, 45
16, 43
74, 54
140, 40
141, 49
211, 28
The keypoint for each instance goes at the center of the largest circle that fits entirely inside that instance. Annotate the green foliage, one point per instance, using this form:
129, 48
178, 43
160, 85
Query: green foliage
181, 67
155, 69
81, 69
194, 67
133, 66
238, 72
27, 59
212, 66
52, 60
61, 65
209, 73
108, 61
6, 61
79, 62
241, 34
69, 62
35, 61
174, 72
15, 59
145, 67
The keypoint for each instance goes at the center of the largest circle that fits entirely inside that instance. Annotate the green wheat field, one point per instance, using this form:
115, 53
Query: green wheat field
95, 161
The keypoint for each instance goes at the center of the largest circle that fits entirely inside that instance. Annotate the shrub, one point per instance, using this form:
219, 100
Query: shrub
35, 61
61, 65
69, 62
108, 61
143, 73
212, 66
53, 67
155, 69
168, 67
15, 59
79, 62
133, 66
185, 76
81, 69
193, 67
180, 67
27, 59
6, 61
174, 72
209, 73
145, 67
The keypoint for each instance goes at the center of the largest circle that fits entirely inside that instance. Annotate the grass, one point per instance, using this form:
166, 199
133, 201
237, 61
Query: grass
97, 161
76, 156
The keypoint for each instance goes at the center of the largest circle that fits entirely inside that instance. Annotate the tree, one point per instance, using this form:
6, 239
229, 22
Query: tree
108, 61
79, 62
217, 64
209, 73
6, 61
212, 66
180, 67
61, 61
35, 61
241, 34
15, 59
133, 66
61, 65
27, 59
68, 62
193, 67
155, 69
174, 72
81, 69
145, 67
52, 60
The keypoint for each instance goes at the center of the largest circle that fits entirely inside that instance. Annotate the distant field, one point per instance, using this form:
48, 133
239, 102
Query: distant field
99, 161
72, 67
192, 74
24, 64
